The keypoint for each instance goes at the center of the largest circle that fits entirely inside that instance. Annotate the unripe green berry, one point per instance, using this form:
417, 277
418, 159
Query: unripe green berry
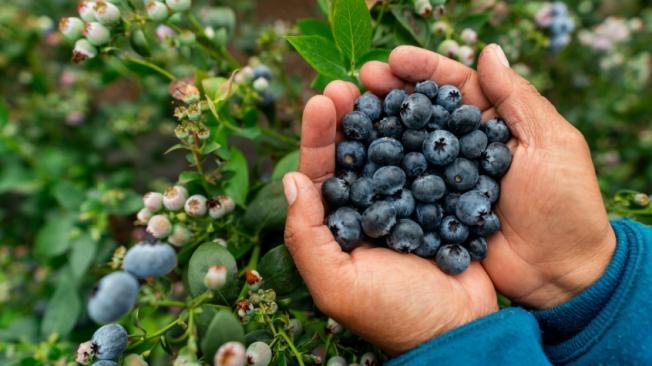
159, 226
106, 13
180, 235
195, 205
174, 198
215, 277
336, 361
178, 5
71, 28
86, 10
259, 354
153, 201
83, 50
333, 327
97, 34
144, 215
156, 10
230, 354
641, 200
261, 84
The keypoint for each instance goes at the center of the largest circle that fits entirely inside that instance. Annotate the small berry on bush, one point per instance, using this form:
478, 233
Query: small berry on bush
230, 354
195, 205
333, 326
156, 10
159, 226
144, 215
336, 361
106, 13
174, 198
215, 277
109, 341
150, 259
113, 297
153, 201
71, 28
86, 10
83, 50
259, 354
96, 33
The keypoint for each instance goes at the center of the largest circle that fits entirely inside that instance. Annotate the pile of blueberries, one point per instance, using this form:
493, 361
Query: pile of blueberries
418, 173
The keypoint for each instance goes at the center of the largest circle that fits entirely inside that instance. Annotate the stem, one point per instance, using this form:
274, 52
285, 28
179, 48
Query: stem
278, 136
329, 338
253, 262
198, 163
290, 344
176, 304
151, 66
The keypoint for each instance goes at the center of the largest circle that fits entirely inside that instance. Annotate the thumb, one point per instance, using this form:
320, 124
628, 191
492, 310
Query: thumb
529, 115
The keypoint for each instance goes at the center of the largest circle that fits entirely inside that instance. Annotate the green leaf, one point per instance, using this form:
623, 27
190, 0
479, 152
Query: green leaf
203, 319
320, 82
324, 6
315, 27
225, 327
278, 271
268, 209
82, 255
258, 335
4, 113
207, 255
237, 186
248, 133
321, 54
68, 195
52, 238
62, 311
351, 23
376, 54
288, 163
415, 25
189, 176
474, 21
210, 147
175, 147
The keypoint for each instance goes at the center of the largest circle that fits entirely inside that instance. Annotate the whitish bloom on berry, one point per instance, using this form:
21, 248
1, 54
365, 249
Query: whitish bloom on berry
469, 35
261, 84
449, 48
369, 359
187, 37
175, 197
440, 27
71, 28
106, 13
84, 353
227, 202
423, 7
153, 201
215, 278
259, 354
97, 34
336, 361
144, 215
83, 50
253, 279
641, 200
180, 235
215, 209
164, 33
230, 354
244, 75
156, 10
179, 5
196, 205
86, 10
294, 327
333, 327
466, 55
220, 241
159, 226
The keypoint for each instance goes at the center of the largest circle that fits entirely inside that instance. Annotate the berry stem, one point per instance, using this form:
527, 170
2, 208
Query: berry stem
149, 65
290, 344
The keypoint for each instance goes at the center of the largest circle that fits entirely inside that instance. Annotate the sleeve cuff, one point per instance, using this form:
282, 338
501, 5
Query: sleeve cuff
507, 337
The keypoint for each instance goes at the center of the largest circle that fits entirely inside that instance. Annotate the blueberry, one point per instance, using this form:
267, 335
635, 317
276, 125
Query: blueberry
362, 192
113, 297
449, 97
439, 118
429, 215
357, 126
385, 151
348, 176
350, 155
496, 159
335, 191
461, 174
389, 179
109, 342
105, 363
393, 102
428, 88
453, 259
150, 259
345, 226
429, 246
369, 169
262, 71
404, 203
452, 230
406, 236
450, 202
428, 188
472, 207
488, 226
390, 126
477, 248
368, 104
496, 130
415, 111
473, 144
465, 119
413, 139
414, 164
561, 25
441, 147
378, 219
488, 187
558, 8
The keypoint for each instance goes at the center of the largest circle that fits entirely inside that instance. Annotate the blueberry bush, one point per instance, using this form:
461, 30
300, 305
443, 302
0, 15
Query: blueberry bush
142, 145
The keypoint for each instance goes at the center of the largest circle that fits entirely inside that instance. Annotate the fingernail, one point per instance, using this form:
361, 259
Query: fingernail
500, 55
290, 189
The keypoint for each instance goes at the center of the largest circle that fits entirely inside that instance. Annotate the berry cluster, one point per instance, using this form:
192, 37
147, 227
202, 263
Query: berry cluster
418, 173
556, 19
105, 347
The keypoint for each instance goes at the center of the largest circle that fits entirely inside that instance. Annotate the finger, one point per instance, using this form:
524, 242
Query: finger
528, 114
415, 64
377, 77
343, 94
317, 150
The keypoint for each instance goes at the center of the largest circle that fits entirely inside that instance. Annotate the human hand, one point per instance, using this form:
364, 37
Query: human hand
394, 300
555, 239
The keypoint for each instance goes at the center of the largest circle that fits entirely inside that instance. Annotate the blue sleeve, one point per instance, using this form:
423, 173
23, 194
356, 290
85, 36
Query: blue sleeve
507, 337
610, 323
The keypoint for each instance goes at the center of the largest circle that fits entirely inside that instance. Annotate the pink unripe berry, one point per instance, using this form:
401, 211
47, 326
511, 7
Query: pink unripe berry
469, 35
153, 201
96, 34
259, 354
196, 205
159, 226
175, 197
83, 50
466, 55
215, 278
86, 10
71, 28
106, 13
230, 354
144, 215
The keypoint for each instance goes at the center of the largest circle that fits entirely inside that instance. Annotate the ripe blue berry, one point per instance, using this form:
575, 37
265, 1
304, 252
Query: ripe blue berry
335, 191
449, 97
368, 104
414, 164
428, 88
429, 215
105, 363
150, 259
345, 226
262, 71
113, 297
477, 248
430, 245
441, 147
369, 169
385, 151
465, 119
357, 126
472, 207
450, 202
388, 179
439, 118
378, 219
413, 139
428, 188
390, 126
488, 187
453, 259
403, 203
473, 144
453, 230
496, 130
488, 226
109, 342
363, 192
496, 159
350, 155
406, 236
415, 111
393, 102
348, 176
461, 175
